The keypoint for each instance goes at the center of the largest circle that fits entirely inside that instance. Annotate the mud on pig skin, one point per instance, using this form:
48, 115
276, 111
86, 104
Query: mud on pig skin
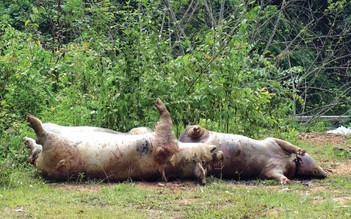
245, 158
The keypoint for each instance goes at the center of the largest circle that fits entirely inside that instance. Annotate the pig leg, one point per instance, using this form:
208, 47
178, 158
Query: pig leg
162, 155
165, 139
165, 117
163, 173
218, 158
277, 175
34, 147
199, 171
287, 146
36, 124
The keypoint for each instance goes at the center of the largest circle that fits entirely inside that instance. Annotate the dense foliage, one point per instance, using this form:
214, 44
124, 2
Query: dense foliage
234, 66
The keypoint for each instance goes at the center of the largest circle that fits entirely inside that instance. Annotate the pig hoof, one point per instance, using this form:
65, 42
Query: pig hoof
196, 130
26, 141
160, 105
29, 142
285, 181
301, 152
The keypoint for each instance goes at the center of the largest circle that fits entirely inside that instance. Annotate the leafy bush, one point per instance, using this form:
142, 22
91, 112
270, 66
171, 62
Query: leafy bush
103, 63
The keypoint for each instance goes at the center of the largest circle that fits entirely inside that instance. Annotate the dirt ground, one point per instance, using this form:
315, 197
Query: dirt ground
340, 144
320, 138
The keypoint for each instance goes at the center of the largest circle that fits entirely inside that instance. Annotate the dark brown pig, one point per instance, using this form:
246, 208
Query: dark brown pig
63, 153
245, 158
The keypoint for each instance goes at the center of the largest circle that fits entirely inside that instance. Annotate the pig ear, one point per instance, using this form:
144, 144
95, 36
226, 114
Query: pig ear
172, 160
212, 148
195, 158
218, 156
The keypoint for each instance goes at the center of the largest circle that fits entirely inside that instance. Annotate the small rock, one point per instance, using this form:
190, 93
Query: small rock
19, 210
161, 185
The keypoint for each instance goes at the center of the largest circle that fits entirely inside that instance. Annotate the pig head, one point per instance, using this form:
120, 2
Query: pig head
193, 161
244, 157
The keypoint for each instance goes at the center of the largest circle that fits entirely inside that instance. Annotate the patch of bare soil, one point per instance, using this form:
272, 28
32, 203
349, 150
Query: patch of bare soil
320, 138
341, 146
343, 199
344, 168
172, 186
81, 187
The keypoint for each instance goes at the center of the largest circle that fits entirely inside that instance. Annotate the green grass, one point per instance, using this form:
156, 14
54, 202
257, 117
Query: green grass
328, 198
29, 196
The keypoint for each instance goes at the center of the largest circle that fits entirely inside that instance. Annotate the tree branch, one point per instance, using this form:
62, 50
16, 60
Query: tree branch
275, 28
209, 11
